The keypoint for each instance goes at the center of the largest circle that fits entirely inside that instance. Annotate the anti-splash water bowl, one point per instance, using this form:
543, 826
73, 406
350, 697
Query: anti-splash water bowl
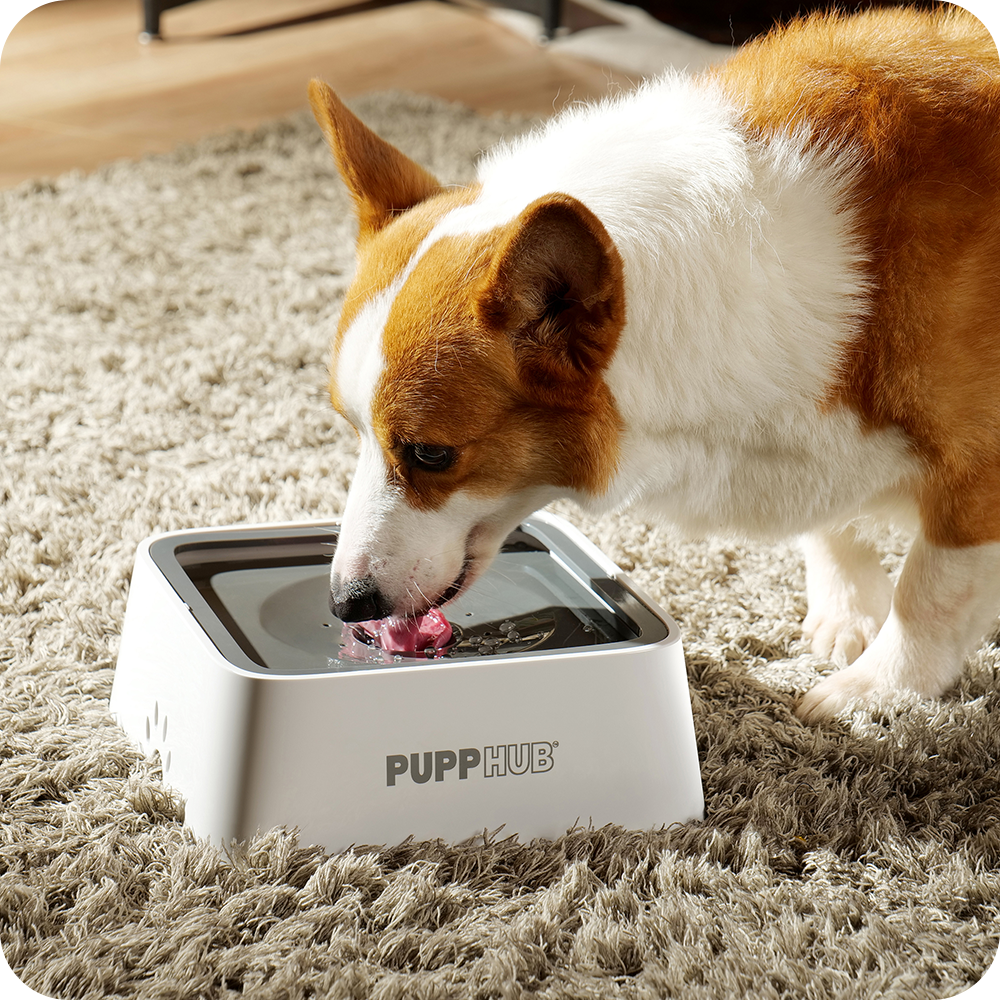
562, 697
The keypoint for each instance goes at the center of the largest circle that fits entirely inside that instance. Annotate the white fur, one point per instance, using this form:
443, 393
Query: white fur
742, 284
359, 362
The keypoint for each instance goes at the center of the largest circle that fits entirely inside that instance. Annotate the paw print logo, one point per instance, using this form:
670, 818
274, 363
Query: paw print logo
155, 743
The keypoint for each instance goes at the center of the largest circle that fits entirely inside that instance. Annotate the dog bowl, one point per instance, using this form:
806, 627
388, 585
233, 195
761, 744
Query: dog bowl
560, 698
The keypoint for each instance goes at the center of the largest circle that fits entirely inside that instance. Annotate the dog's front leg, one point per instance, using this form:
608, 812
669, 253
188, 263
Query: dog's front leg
848, 593
945, 601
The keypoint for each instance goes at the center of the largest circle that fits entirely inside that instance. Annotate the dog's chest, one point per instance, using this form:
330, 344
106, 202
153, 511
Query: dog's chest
765, 481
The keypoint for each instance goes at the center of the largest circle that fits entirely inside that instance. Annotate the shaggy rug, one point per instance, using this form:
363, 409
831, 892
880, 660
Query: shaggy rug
163, 333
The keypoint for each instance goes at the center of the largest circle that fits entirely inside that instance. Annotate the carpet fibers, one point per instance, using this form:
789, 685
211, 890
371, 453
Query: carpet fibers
163, 338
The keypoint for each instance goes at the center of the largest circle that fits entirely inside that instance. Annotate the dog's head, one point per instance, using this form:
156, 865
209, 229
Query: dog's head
469, 358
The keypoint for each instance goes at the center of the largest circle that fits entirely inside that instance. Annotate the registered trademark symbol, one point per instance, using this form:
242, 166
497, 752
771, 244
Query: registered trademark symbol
555, 743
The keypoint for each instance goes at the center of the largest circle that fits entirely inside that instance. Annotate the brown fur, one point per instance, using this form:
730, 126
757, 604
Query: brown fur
382, 182
531, 323
916, 97
526, 422
380, 261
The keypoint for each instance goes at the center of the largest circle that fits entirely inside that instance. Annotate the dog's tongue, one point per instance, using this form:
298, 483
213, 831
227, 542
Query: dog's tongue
410, 635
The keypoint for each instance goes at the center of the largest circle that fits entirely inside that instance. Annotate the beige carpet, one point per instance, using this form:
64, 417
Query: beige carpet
163, 332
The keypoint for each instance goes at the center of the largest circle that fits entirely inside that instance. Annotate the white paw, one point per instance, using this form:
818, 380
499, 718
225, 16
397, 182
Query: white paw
849, 595
841, 634
894, 669
837, 693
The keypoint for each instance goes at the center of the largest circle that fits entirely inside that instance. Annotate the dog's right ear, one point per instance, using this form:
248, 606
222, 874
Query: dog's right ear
383, 181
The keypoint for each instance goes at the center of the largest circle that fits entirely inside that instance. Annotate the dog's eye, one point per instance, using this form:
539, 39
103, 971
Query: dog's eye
431, 457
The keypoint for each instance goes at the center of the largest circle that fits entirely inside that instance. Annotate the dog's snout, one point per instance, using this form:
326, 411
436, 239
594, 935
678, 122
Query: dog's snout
358, 600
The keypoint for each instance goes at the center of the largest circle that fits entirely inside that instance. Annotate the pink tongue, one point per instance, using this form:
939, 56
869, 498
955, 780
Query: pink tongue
410, 635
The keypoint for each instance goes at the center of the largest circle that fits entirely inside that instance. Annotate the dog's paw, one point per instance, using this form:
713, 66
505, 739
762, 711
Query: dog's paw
841, 634
836, 694
889, 673
849, 595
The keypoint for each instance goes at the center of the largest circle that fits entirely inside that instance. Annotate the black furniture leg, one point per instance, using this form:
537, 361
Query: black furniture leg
551, 16
151, 11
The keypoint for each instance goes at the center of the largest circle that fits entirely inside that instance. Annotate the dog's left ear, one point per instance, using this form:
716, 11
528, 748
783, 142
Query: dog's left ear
556, 288
383, 181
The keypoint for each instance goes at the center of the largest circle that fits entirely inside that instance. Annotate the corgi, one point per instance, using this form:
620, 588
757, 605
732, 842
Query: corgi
762, 301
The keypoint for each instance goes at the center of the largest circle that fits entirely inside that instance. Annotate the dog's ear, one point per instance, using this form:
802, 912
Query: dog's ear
556, 288
383, 181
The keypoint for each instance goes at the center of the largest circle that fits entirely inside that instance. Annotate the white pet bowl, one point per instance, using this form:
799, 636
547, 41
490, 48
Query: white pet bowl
562, 699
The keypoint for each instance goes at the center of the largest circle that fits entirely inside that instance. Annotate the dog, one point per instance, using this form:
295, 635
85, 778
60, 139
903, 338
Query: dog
761, 301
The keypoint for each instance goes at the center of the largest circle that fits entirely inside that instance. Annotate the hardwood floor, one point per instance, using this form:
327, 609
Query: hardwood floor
77, 89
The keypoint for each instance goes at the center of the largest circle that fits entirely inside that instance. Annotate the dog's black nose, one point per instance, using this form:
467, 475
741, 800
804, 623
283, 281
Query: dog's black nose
358, 600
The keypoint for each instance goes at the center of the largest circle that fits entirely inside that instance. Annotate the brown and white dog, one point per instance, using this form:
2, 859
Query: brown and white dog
764, 301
